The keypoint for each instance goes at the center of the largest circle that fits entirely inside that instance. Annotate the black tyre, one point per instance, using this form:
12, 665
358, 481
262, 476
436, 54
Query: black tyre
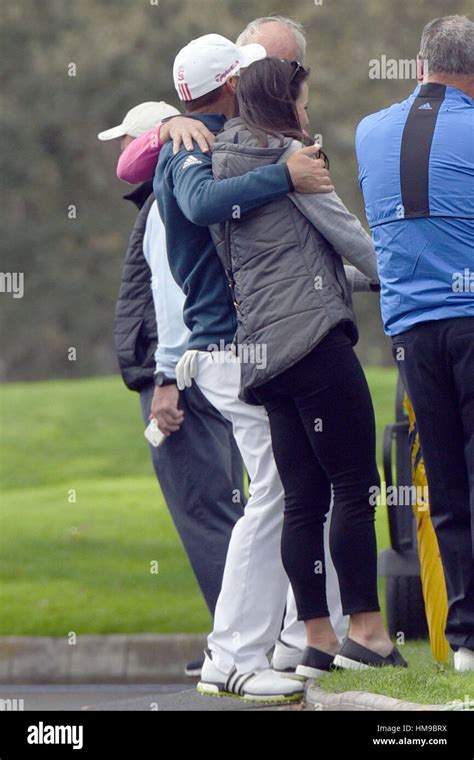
405, 607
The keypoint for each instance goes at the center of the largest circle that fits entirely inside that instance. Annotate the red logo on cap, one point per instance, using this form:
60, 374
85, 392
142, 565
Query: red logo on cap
225, 74
180, 75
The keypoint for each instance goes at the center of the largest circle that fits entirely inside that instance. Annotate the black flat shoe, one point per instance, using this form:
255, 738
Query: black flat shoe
193, 668
354, 656
315, 663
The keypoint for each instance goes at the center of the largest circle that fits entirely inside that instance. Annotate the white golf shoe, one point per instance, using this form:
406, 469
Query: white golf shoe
260, 686
464, 660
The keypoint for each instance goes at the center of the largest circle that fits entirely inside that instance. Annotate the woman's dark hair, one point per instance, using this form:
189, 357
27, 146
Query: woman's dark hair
267, 93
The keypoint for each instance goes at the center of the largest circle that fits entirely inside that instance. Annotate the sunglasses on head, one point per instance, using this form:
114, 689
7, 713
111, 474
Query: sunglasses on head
297, 66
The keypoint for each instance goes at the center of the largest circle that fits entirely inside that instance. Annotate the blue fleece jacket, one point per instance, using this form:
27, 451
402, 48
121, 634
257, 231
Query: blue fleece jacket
189, 200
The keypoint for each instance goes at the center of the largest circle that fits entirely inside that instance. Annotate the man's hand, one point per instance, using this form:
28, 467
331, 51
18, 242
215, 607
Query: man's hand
164, 408
183, 131
308, 173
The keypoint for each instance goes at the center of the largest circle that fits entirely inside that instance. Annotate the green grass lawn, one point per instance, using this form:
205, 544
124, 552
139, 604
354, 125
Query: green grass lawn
59, 432
85, 566
421, 682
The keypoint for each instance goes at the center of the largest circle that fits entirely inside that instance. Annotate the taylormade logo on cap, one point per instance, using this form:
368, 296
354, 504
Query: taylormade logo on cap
208, 62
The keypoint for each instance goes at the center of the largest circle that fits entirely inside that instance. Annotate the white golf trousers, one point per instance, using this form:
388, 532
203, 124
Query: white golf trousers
255, 588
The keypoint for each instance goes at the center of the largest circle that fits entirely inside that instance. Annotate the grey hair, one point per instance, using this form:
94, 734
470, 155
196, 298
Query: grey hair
293, 26
447, 44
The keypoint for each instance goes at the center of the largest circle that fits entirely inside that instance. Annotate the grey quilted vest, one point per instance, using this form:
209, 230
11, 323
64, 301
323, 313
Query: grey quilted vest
289, 284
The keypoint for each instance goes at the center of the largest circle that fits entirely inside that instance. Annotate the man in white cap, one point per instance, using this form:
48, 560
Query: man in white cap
251, 605
282, 37
206, 503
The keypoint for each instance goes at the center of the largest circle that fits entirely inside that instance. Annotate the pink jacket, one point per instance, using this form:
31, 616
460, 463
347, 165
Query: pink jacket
138, 161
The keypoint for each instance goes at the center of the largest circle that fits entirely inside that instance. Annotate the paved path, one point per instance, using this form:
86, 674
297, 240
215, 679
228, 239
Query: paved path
163, 697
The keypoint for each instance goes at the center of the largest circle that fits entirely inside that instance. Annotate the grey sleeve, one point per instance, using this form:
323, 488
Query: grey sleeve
358, 282
331, 218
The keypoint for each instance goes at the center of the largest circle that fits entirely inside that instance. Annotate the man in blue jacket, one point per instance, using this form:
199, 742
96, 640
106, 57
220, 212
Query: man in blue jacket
416, 162
251, 605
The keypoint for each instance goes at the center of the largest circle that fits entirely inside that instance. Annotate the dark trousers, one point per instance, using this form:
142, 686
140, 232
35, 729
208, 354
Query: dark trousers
436, 362
323, 432
200, 472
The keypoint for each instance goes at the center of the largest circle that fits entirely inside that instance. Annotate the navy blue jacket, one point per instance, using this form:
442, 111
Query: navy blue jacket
190, 200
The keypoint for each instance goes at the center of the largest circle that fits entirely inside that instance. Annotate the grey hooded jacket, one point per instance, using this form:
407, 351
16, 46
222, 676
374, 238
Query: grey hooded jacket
284, 263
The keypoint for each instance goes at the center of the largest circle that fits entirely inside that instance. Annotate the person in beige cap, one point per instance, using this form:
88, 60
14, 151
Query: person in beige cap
199, 442
139, 120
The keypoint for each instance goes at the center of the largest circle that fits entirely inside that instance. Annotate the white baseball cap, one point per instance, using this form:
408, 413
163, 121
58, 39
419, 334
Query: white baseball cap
139, 119
208, 62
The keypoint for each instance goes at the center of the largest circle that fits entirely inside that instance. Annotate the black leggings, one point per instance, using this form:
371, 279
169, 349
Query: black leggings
323, 432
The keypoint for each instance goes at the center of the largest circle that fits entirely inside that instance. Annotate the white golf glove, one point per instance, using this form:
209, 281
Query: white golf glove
186, 369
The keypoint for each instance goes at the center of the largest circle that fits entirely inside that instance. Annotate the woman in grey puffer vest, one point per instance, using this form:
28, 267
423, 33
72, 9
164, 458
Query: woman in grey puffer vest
295, 337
